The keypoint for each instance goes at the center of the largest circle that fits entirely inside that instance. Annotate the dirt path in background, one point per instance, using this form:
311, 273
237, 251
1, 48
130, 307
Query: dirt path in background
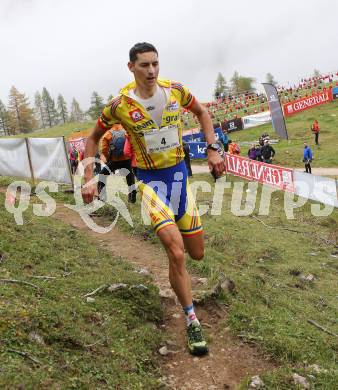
315, 171
229, 360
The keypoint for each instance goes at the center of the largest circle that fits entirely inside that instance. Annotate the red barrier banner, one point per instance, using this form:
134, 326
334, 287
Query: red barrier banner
274, 175
307, 102
79, 143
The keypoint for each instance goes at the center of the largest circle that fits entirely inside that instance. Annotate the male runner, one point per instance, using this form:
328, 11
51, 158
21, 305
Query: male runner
149, 110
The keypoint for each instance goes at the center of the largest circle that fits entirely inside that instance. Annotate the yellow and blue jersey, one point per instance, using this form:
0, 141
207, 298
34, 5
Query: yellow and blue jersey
137, 121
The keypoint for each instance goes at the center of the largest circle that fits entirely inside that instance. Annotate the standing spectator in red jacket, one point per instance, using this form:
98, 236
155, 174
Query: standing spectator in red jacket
315, 128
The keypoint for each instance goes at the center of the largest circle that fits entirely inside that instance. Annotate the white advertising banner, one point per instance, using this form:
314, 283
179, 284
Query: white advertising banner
256, 119
319, 188
14, 158
49, 159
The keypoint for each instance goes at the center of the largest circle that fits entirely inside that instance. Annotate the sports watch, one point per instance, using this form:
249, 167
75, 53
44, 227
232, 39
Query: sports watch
214, 147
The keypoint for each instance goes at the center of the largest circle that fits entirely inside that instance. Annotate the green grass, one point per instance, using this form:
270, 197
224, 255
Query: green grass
272, 305
290, 153
59, 131
108, 343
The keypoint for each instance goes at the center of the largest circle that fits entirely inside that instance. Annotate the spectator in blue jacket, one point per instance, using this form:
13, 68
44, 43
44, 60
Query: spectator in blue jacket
225, 140
307, 158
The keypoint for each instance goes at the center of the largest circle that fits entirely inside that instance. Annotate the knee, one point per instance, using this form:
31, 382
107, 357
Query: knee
197, 254
177, 254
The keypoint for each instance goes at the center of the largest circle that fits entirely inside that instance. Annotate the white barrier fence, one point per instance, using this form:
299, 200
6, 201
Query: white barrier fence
256, 119
47, 159
319, 188
36, 158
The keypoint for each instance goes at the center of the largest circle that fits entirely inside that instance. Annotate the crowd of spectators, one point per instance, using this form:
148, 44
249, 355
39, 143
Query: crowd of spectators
263, 151
227, 107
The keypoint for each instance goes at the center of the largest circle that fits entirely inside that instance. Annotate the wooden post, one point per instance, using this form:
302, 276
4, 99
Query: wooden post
68, 163
30, 161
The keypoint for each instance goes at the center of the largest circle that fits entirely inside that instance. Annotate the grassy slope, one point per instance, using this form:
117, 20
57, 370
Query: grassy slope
272, 304
290, 153
59, 131
120, 327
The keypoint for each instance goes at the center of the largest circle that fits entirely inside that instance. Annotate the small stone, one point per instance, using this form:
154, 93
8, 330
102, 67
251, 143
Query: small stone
35, 337
163, 351
144, 272
177, 315
300, 380
316, 369
140, 287
308, 278
171, 343
117, 286
90, 299
166, 293
313, 254
195, 359
203, 281
256, 383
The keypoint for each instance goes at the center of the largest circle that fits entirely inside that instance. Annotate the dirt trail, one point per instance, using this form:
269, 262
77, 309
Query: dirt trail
229, 359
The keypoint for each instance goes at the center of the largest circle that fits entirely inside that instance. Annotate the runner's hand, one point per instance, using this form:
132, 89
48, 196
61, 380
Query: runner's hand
215, 162
89, 191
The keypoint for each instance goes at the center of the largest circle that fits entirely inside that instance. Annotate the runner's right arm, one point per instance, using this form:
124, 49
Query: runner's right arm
89, 191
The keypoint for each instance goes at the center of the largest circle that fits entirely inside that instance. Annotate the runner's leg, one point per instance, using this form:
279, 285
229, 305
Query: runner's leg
179, 278
195, 245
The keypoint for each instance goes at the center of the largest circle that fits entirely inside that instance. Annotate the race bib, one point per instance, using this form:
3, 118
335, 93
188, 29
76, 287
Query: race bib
162, 140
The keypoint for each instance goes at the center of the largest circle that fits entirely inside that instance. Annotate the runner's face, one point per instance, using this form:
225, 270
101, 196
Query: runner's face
145, 69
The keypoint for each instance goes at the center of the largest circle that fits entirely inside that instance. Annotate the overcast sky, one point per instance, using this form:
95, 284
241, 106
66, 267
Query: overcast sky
75, 47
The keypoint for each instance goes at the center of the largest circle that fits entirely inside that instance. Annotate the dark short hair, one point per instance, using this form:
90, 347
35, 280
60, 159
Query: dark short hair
142, 47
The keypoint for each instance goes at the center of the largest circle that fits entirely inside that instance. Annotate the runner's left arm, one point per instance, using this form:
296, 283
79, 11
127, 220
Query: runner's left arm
215, 161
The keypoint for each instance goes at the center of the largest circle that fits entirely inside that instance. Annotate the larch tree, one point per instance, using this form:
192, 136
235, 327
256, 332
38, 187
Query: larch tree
270, 79
96, 105
241, 84
62, 108
21, 115
4, 119
49, 110
76, 114
221, 88
39, 109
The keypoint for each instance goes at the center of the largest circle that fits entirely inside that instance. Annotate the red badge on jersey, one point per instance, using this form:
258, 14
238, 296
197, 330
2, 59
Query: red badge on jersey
136, 115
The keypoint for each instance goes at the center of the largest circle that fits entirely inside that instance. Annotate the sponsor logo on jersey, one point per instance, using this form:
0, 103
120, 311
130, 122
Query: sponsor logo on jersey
148, 124
150, 108
172, 106
136, 115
